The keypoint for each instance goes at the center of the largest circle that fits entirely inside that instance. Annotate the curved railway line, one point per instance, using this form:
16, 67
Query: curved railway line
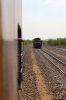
60, 65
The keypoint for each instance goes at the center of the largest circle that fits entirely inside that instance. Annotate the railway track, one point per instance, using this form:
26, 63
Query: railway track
54, 56
58, 50
56, 53
38, 71
61, 66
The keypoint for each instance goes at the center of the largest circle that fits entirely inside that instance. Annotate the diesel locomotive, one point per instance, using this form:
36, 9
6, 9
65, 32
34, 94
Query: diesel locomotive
37, 43
11, 49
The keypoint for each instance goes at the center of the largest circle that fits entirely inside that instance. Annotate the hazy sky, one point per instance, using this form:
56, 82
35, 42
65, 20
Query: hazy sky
43, 18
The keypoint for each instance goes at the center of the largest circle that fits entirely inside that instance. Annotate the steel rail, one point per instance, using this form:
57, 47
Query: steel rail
51, 62
58, 49
54, 57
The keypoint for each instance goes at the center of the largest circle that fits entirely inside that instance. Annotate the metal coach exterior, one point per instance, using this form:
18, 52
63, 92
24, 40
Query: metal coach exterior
10, 49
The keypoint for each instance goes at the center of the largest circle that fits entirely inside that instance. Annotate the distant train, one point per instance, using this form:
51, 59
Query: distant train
37, 43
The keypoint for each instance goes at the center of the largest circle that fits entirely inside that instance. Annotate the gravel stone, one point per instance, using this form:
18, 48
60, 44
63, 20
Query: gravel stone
53, 79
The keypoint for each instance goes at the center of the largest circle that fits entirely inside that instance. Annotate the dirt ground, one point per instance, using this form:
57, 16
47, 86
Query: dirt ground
34, 86
40, 80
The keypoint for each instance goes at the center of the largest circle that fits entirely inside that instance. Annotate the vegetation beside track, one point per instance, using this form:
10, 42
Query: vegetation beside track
55, 42
61, 42
27, 42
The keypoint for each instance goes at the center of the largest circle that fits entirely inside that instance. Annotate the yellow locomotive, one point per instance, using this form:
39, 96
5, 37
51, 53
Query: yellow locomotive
10, 49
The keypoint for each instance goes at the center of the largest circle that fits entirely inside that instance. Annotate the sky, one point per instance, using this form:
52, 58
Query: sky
43, 18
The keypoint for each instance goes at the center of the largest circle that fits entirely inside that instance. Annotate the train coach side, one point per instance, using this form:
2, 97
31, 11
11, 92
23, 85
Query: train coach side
10, 31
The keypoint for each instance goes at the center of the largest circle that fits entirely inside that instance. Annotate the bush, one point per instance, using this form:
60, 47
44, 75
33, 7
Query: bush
27, 42
55, 42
